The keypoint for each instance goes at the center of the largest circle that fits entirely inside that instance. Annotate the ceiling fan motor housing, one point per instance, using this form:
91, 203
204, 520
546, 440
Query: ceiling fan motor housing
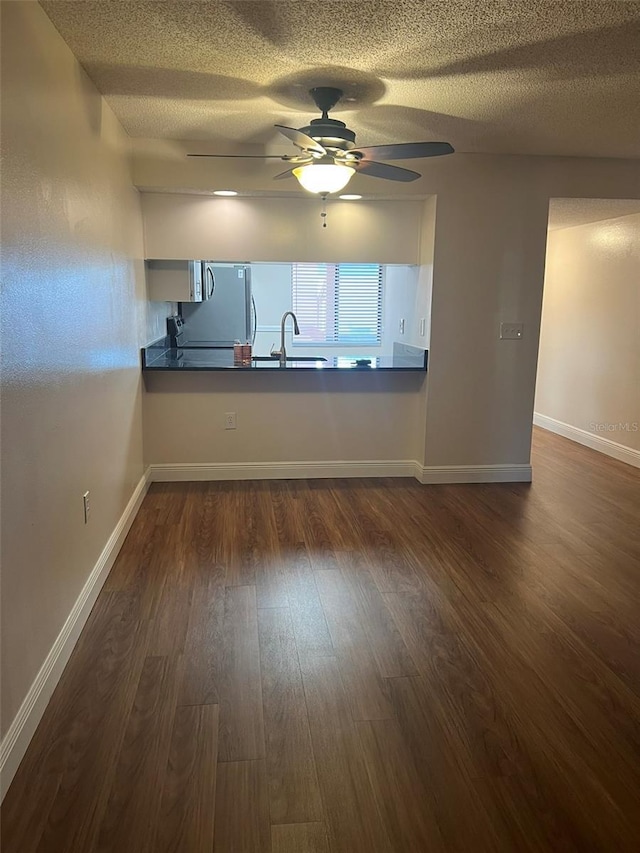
330, 133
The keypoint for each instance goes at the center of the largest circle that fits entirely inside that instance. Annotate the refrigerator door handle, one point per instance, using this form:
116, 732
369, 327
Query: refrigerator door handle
255, 320
210, 284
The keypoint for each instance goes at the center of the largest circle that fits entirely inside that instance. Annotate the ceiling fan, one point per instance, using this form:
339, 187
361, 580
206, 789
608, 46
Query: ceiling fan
328, 155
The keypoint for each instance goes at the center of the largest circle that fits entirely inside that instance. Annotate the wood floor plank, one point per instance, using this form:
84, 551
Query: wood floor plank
444, 767
287, 512
364, 687
270, 576
186, 817
138, 543
204, 641
131, 814
241, 719
402, 800
294, 795
168, 628
354, 821
142, 571
196, 537
344, 534
389, 561
235, 546
242, 808
317, 504
299, 838
309, 622
386, 643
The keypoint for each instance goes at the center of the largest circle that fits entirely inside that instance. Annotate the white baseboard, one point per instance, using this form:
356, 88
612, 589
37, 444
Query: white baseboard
589, 439
170, 473
440, 474
15, 742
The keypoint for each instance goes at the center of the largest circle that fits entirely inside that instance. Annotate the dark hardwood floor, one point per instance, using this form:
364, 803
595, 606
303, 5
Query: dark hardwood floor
355, 666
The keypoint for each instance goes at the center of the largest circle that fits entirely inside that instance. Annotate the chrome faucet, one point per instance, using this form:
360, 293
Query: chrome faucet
282, 354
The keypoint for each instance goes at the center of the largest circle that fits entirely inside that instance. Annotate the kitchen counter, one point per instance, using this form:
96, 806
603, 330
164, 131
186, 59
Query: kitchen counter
160, 357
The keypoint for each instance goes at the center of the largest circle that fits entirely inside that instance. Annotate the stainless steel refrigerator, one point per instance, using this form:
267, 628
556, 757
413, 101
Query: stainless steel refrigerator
228, 314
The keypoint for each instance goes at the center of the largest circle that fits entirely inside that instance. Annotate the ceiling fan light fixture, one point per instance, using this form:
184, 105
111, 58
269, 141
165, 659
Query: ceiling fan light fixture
225, 192
323, 177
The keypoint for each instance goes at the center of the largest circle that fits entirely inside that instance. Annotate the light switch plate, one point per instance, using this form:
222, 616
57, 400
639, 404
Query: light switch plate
511, 331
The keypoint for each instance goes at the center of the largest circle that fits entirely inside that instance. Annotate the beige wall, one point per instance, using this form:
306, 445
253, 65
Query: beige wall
286, 417
280, 229
489, 255
73, 317
488, 266
589, 360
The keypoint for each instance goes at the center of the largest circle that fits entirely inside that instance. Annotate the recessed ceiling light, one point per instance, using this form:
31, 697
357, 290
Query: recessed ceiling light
225, 192
350, 197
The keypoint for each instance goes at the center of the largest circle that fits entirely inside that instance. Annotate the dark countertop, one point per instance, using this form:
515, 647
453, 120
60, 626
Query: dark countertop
158, 356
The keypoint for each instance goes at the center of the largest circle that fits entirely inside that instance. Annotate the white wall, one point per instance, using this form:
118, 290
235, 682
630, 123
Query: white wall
280, 229
73, 317
589, 360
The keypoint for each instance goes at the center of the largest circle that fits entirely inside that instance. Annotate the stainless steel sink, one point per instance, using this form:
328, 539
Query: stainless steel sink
289, 358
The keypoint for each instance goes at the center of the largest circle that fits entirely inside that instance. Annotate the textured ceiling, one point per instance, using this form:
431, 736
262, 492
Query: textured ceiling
558, 77
569, 212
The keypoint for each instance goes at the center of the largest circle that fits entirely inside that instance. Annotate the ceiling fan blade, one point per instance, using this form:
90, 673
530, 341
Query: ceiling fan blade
384, 170
406, 150
282, 175
301, 139
243, 156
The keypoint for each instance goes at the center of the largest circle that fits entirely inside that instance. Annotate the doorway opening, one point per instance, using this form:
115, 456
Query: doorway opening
588, 376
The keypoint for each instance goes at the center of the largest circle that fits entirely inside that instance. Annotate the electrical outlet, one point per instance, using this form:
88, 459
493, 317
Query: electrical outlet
87, 507
402, 326
229, 420
511, 331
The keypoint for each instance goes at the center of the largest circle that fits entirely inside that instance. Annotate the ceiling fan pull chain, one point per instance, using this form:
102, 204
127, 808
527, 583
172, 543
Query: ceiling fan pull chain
323, 215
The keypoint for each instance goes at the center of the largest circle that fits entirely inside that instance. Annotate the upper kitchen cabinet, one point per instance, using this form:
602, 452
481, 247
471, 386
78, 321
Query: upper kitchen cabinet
175, 281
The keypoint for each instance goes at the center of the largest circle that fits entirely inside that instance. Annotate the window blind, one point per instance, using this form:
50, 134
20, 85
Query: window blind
338, 304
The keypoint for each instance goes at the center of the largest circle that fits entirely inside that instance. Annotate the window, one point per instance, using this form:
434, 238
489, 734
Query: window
338, 304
